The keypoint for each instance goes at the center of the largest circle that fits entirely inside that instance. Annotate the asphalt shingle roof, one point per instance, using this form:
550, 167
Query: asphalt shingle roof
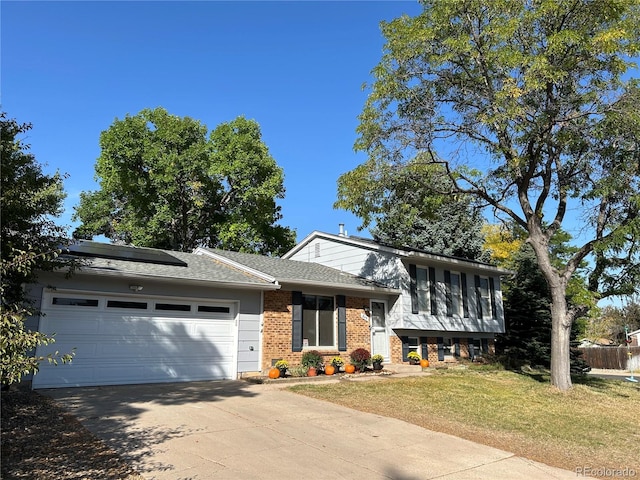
199, 268
206, 268
293, 271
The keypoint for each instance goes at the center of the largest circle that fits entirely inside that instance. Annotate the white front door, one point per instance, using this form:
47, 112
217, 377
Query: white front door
379, 336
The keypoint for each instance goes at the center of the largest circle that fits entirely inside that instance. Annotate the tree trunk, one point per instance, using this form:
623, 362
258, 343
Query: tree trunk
561, 319
560, 339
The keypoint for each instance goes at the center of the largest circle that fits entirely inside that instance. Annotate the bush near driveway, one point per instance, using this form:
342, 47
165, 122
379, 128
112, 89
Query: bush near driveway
594, 424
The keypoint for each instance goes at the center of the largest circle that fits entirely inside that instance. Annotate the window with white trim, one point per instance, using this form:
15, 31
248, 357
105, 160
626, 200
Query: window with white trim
413, 345
318, 321
422, 289
447, 348
456, 294
485, 297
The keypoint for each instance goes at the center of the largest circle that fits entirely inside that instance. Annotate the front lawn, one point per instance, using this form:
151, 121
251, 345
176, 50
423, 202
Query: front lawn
595, 425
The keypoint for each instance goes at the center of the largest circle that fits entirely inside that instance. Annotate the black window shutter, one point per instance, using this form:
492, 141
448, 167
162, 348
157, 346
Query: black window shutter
492, 293
472, 348
478, 295
456, 347
405, 348
447, 283
341, 300
440, 349
296, 324
485, 346
432, 291
413, 285
425, 348
465, 299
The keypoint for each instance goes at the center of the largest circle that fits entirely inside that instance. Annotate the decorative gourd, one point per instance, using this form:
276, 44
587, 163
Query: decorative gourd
274, 373
424, 363
312, 372
350, 368
329, 370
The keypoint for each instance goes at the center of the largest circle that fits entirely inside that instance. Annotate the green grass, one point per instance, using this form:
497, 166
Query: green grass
596, 423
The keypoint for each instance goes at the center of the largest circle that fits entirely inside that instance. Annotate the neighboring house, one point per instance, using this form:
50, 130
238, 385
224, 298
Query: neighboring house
449, 308
635, 338
141, 315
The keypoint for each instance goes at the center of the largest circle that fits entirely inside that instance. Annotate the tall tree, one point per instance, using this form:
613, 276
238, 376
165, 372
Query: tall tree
534, 91
30, 242
399, 210
164, 184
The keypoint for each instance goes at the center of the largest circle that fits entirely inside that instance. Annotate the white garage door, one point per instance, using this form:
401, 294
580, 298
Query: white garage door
133, 339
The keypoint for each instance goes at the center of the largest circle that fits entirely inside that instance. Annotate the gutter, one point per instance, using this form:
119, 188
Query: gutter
249, 286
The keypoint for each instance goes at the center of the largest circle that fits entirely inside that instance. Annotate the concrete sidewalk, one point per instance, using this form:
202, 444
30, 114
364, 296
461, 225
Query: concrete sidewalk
236, 430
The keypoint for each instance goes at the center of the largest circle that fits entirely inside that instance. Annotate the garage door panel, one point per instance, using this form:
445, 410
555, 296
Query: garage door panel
116, 346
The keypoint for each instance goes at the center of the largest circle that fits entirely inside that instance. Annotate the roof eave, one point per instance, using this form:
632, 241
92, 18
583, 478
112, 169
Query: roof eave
192, 281
457, 261
339, 286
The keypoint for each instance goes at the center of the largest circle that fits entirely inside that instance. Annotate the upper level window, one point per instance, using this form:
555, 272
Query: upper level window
318, 321
456, 294
485, 297
423, 290
422, 285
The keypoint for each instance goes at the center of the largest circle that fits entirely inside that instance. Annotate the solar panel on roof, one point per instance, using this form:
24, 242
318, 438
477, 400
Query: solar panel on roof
124, 252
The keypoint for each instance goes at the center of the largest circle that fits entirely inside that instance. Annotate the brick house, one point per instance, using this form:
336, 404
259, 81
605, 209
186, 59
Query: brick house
316, 307
141, 315
448, 308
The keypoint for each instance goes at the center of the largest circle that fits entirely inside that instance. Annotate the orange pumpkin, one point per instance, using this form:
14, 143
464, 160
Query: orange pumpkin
349, 368
424, 363
329, 370
274, 373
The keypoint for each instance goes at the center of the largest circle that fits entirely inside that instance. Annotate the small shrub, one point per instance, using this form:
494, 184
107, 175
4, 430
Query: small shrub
360, 357
377, 358
413, 355
282, 365
337, 362
312, 358
298, 371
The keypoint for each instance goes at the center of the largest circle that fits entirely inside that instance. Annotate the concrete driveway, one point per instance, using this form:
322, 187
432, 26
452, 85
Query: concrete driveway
236, 430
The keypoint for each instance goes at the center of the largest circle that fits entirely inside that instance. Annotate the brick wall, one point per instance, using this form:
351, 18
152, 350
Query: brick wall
276, 331
432, 349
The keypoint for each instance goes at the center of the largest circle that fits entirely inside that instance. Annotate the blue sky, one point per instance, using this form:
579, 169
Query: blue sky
297, 68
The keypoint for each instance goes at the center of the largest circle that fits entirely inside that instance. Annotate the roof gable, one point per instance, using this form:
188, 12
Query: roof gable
293, 271
406, 253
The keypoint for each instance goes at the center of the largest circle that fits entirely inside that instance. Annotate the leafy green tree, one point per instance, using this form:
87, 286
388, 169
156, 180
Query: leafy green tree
164, 184
533, 95
527, 302
398, 209
30, 242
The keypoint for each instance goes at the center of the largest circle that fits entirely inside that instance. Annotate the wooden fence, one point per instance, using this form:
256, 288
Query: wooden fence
608, 357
